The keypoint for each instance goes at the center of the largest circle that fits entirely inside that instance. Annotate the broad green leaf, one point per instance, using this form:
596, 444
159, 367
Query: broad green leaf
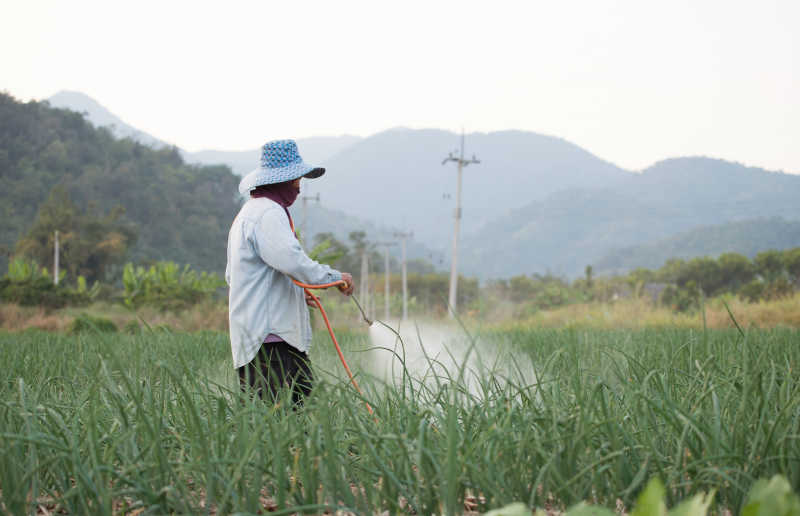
773, 497
696, 506
514, 509
651, 501
584, 509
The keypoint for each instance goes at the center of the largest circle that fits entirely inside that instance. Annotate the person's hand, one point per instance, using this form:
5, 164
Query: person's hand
346, 289
309, 300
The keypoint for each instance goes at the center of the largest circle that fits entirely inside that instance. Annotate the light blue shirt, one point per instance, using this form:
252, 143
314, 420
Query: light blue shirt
263, 256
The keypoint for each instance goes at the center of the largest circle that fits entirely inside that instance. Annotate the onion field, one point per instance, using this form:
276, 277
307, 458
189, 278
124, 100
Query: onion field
154, 423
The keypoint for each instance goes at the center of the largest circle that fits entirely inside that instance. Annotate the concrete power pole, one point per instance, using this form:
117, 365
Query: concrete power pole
363, 292
454, 260
306, 198
403, 239
386, 246
55, 260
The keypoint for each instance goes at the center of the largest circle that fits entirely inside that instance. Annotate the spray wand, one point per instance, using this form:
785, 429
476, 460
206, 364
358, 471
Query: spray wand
363, 314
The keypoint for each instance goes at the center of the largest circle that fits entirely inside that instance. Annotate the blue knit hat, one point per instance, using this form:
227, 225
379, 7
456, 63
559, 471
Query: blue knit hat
279, 162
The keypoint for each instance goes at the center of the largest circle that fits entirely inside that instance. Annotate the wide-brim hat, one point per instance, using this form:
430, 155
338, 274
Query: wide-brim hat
280, 162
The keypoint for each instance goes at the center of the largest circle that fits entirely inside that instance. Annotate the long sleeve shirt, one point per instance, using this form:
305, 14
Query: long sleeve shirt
263, 257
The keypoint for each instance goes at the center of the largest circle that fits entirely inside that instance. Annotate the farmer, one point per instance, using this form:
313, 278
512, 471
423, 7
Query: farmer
269, 322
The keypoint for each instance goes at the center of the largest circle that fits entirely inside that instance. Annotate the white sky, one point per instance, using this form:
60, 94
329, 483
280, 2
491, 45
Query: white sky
633, 81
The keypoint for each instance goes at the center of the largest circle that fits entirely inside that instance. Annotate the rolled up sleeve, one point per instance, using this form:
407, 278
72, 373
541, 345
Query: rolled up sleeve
277, 246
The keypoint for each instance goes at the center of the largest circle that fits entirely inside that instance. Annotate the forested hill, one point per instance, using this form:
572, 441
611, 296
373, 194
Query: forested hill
746, 237
397, 177
181, 212
574, 228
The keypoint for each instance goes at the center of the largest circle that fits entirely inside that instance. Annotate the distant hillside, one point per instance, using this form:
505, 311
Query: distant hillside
396, 178
314, 149
747, 237
99, 116
571, 229
535, 203
182, 212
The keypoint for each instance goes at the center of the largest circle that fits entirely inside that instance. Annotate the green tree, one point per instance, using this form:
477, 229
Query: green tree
671, 270
521, 288
736, 270
333, 252
769, 264
89, 244
791, 261
704, 273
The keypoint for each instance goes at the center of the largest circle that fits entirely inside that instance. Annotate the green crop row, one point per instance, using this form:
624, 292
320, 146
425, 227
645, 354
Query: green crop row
99, 423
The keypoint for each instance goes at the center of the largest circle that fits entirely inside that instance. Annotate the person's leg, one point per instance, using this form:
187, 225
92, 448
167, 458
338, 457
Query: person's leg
276, 366
302, 379
264, 372
296, 371
248, 376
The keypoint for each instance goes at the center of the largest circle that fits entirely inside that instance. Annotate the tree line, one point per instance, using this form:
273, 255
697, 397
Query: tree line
679, 284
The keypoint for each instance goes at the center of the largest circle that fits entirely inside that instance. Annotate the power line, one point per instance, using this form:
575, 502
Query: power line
457, 215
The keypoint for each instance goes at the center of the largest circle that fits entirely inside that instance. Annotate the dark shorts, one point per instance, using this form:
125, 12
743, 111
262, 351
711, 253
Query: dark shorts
277, 366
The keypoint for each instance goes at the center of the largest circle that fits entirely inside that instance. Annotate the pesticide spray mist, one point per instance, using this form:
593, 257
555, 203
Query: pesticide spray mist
430, 350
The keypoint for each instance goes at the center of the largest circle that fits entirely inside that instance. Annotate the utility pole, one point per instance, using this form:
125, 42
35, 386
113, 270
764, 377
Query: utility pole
403, 238
386, 246
55, 260
363, 293
304, 226
457, 215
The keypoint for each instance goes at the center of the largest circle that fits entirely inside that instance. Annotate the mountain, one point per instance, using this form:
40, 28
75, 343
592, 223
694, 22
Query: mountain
314, 150
574, 228
182, 212
534, 203
99, 116
396, 178
747, 237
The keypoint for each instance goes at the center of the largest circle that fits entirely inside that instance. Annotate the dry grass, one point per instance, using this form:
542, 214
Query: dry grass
212, 317
641, 313
626, 313
17, 318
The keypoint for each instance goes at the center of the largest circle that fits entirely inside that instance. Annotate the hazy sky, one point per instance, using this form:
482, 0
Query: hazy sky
632, 81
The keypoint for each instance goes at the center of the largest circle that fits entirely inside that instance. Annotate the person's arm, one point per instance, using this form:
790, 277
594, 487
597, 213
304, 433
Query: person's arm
277, 246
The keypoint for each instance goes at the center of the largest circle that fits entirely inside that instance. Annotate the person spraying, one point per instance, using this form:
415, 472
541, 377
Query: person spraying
270, 330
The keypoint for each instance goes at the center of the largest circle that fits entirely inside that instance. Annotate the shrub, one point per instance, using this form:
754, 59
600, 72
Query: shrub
680, 299
166, 286
132, 328
85, 323
29, 285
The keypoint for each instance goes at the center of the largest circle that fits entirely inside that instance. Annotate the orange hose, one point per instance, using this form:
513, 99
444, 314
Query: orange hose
306, 287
